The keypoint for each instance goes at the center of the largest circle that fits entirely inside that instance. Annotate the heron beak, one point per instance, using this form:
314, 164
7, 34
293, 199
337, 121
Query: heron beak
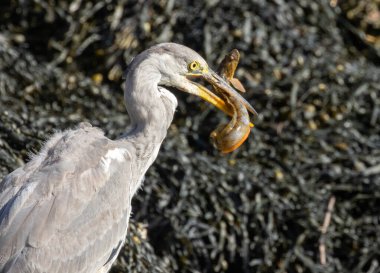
210, 97
217, 81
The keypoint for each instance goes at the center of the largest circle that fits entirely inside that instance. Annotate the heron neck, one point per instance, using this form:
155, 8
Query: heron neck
150, 111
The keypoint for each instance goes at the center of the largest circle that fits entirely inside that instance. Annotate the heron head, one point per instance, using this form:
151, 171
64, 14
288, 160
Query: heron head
181, 68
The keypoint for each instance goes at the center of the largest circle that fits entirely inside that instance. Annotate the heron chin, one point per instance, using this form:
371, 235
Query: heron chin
67, 209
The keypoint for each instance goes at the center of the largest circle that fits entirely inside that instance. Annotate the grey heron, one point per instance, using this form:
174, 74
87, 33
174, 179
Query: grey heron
67, 209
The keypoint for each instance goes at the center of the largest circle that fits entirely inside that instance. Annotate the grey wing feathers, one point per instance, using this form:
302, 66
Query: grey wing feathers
68, 207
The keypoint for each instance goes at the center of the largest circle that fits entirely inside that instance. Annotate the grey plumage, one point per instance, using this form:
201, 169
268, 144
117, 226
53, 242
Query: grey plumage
63, 212
67, 210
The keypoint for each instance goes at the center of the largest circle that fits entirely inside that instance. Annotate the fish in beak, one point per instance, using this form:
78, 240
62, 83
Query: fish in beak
227, 137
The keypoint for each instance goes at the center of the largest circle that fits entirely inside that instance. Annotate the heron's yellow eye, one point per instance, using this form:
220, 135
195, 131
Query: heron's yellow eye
193, 66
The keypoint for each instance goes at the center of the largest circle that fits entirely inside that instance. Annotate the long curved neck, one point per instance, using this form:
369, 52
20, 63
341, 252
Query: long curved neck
151, 112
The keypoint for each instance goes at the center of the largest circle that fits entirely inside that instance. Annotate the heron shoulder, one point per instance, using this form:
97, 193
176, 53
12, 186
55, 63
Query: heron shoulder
71, 193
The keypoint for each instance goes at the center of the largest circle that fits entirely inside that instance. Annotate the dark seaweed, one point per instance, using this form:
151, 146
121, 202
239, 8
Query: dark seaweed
311, 69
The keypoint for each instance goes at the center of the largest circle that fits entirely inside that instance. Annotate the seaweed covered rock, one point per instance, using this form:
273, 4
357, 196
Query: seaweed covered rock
308, 70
